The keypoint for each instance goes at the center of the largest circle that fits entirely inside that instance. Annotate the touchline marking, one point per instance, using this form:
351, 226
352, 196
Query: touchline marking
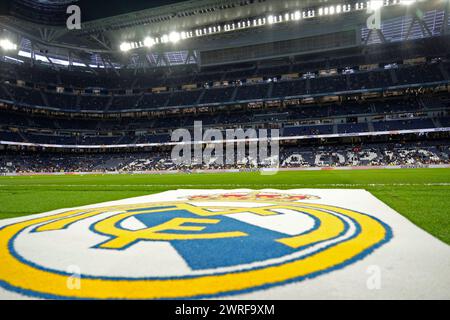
233, 185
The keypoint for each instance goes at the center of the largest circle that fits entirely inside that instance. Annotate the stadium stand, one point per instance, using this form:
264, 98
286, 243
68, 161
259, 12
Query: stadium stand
385, 154
336, 93
228, 93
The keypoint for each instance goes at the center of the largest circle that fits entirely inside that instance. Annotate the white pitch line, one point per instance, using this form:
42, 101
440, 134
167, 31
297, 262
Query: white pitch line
232, 185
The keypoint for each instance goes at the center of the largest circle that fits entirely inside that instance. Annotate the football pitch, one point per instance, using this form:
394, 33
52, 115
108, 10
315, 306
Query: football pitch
421, 195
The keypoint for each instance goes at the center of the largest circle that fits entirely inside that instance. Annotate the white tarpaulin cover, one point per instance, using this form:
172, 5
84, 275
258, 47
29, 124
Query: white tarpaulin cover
243, 244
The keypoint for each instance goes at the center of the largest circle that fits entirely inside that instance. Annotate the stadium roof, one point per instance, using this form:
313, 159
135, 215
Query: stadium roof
188, 28
34, 10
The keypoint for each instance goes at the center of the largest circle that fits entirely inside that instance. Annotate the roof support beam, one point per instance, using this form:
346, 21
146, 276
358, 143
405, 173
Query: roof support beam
43, 51
46, 34
423, 26
108, 61
445, 28
70, 59
87, 63
191, 55
149, 61
32, 53
40, 36
102, 40
372, 32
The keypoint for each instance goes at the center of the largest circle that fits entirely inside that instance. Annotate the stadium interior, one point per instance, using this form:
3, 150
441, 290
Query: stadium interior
341, 94
240, 151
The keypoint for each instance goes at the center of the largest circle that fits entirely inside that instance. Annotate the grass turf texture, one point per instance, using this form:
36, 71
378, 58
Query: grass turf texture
421, 195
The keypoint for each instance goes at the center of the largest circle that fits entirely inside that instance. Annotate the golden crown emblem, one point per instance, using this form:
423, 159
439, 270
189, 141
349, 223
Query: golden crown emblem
253, 196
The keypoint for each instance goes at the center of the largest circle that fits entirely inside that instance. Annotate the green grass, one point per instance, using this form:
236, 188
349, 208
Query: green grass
421, 195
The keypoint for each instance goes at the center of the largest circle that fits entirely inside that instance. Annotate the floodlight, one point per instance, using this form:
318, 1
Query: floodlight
149, 42
174, 37
125, 46
7, 45
376, 4
165, 38
407, 2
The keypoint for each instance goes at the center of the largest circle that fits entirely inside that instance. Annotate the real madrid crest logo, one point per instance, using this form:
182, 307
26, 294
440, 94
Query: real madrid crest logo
196, 247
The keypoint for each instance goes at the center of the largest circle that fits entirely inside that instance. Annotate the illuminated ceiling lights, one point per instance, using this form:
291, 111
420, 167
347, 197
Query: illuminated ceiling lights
273, 18
149, 42
174, 37
7, 45
124, 46
376, 4
165, 38
407, 2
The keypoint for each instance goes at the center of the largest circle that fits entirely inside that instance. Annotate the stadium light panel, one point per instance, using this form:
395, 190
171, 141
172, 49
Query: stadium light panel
125, 46
376, 4
165, 38
7, 45
270, 19
174, 37
149, 42
359, 6
407, 2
